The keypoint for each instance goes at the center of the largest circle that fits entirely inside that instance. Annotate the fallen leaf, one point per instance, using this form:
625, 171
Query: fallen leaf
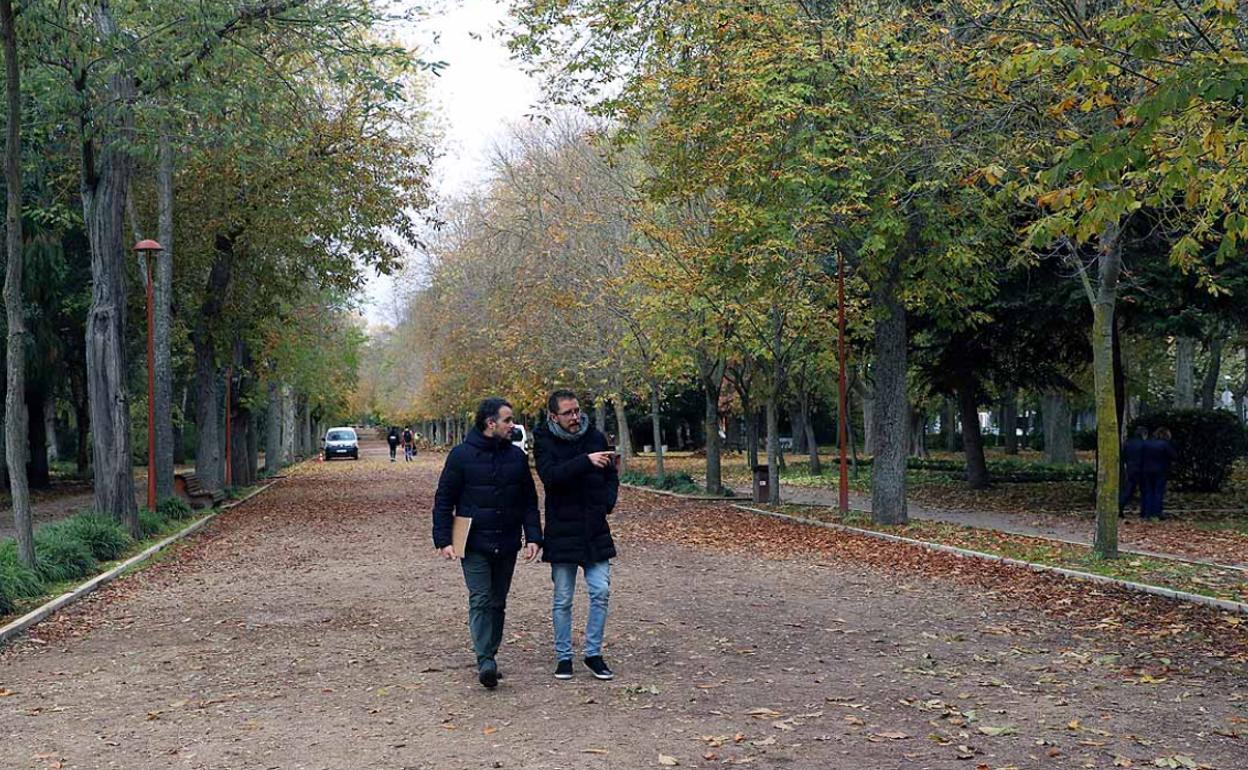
593, 751
668, 761
995, 731
764, 713
488, 730
765, 741
889, 735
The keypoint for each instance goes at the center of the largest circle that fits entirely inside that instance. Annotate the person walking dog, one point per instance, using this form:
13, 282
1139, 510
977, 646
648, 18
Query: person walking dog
487, 480
582, 484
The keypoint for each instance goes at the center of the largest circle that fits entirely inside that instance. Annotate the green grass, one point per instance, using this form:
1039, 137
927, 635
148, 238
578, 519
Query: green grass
679, 482
1167, 573
76, 548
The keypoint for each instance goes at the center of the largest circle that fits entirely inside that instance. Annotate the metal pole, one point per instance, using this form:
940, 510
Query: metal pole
229, 466
151, 392
843, 427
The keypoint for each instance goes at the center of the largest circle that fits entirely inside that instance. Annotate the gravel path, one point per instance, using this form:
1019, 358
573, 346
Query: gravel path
313, 628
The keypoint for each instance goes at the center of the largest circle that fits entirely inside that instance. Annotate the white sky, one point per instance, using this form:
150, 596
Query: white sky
478, 94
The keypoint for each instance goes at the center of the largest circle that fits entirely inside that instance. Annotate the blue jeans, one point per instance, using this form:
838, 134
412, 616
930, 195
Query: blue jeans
598, 581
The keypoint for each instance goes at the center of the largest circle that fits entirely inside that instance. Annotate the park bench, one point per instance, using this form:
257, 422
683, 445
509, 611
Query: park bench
192, 490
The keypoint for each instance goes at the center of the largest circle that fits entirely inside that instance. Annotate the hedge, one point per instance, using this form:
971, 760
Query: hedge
1207, 443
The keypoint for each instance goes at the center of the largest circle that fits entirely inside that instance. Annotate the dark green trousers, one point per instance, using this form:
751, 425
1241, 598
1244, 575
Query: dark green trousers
488, 577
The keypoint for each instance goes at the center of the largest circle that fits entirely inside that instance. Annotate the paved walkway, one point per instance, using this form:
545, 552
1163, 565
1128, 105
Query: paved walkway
1134, 536
313, 627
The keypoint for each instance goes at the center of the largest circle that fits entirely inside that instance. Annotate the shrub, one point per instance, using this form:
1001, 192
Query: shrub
62, 556
16, 581
1085, 440
174, 508
103, 536
151, 522
1207, 443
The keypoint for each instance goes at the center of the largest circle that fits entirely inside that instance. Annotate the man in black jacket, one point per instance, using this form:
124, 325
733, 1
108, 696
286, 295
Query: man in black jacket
582, 484
487, 479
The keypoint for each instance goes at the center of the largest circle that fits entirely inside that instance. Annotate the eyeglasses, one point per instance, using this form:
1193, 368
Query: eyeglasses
569, 413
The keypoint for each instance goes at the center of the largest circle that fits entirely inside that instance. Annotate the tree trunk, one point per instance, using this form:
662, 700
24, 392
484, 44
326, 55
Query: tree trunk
1184, 373
868, 423
105, 180
797, 423
38, 475
1059, 437
714, 466
1105, 298
656, 428
1209, 384
15, 417
773, 447
918, 433
289, 448
82, 428
751, 433
273, 430
179, 433
890, 418
808, 427
49, 430
600, 416
162, 298
1009, 422
208, 458
950, 424
623, 439
972, 439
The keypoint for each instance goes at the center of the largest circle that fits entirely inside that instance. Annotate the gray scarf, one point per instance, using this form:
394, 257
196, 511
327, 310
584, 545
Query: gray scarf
557, 430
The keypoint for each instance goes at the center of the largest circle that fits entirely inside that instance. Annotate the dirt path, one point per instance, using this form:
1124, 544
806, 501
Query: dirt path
312, 628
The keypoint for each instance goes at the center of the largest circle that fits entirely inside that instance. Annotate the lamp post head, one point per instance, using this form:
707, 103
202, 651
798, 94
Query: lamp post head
148, 245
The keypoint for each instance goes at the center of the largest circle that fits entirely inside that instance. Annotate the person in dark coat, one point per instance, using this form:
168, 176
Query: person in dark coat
1132, 455
1157, 456
487, 479
579, 475
392, 438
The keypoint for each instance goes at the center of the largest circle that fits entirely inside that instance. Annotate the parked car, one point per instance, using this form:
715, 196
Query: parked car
520, 437
341, 442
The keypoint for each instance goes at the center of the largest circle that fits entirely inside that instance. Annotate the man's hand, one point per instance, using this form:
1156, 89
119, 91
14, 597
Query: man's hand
601, 459
448, 552
531, 550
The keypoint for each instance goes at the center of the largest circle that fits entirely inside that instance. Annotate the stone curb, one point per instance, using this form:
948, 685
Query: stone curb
1169, 593
669, 493
43, 612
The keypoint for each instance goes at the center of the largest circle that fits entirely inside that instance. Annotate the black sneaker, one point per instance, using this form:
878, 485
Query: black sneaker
488, 674
599, 667
564, 669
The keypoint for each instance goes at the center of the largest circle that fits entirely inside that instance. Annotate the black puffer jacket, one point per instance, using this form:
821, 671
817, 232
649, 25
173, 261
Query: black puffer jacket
489, 481
578, 497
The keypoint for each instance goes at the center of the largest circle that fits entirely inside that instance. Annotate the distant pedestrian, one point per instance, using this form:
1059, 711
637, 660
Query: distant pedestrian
392, 438
1156, 458
582, 483
487, 479
1132, 455
409, 445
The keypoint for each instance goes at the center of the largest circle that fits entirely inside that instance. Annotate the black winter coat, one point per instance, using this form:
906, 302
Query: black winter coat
489, 481
1133, 454
1158, 456
578, 497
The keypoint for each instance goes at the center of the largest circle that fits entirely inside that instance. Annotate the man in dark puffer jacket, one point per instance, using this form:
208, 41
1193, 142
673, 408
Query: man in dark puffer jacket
487, 479
582, 484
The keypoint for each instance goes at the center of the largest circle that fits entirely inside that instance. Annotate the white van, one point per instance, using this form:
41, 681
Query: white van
341, 442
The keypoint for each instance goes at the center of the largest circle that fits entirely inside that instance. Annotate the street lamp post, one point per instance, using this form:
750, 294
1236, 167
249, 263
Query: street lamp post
148, 248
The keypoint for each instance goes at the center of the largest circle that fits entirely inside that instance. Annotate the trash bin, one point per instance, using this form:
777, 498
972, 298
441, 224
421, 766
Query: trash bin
760, 483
